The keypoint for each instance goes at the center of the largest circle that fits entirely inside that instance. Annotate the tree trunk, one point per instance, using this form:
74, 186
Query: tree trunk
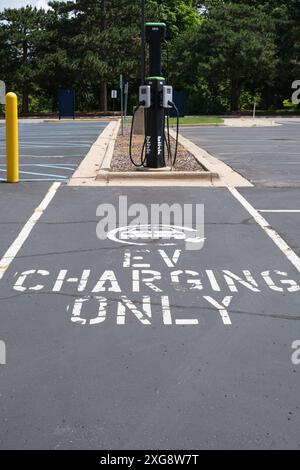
25, 105
103, 97
54, 103
103, 84
236, 87
25, 101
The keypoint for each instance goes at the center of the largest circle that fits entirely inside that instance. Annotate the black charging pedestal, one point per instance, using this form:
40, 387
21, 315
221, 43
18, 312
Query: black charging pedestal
154, 116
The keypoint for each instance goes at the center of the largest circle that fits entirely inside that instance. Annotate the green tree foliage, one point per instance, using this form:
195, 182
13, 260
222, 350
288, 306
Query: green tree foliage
285, 15
21, 34
235, 43
99, 41
179, 15
223, 52
83, 44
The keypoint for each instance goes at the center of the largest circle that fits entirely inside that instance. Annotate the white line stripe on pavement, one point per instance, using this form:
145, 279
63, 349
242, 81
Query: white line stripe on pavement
282, 245
40, 174
45, 156
280, 211
27, 180
25, 232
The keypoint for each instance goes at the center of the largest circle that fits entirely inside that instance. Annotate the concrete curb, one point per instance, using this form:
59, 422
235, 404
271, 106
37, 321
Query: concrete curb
94, 170
99, 154
155, 178
110, 176
250, 122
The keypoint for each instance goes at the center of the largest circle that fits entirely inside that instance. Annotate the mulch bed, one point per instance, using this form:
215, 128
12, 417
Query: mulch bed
121, 161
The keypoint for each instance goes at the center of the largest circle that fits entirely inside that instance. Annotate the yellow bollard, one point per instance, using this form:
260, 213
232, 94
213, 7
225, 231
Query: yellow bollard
12, 139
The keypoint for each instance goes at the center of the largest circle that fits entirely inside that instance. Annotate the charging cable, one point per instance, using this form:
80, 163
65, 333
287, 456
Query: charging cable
173, 158
143, 158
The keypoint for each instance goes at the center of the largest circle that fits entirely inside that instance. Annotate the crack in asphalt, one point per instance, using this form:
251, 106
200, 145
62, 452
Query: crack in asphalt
156, 304
75, 222
69, 252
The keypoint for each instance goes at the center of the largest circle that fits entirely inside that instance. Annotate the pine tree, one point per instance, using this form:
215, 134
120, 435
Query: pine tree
21, 32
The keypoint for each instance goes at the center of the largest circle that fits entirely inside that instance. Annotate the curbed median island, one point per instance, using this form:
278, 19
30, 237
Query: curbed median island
185, 161
118, 169
108, 164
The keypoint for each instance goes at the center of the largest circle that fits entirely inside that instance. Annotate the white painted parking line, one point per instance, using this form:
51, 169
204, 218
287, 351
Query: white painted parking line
285, 163
35, 180
47, 156
280, 211
264, 153
51, 146
58, 166
25, 232
40, 174
282, 245
250, 143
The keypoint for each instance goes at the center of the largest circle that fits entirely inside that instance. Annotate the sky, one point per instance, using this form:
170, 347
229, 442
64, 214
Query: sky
22, 3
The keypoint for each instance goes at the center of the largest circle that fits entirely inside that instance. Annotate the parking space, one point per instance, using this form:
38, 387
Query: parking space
270, 158
281, 207
267, 156
118, 346
17, 202
51, 151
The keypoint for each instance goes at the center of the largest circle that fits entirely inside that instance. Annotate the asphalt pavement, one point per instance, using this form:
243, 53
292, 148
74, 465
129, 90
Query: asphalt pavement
111, 345
50, 151
267, 156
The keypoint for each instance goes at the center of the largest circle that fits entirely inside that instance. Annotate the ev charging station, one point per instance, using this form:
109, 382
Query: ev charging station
156, 98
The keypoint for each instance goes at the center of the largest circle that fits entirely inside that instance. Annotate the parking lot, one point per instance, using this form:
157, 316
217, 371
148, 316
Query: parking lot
267, 156
116, 346
50, 151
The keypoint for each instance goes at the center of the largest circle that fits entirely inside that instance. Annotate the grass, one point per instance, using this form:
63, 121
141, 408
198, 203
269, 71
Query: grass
192, 120
197, 120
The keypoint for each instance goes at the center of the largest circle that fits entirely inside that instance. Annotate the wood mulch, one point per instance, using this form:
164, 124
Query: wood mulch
121, 161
